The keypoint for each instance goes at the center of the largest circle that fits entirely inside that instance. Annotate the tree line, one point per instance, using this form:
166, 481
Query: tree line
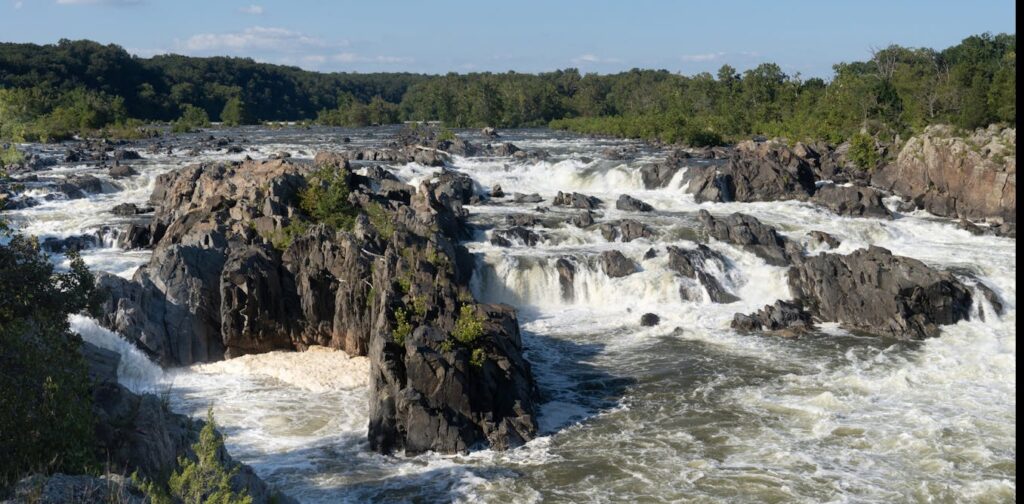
51, 91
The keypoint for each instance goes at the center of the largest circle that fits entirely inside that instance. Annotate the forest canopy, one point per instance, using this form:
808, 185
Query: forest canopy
48, 92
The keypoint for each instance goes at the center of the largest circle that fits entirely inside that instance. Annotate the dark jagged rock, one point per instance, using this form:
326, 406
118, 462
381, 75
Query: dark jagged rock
784, 317
819, 238
215, 288
126, 155
650, 254
649, 320
129, 209
627, 229
879, 292
514, 235
631, 204
852, 201
576, 200
496, 192
523, 220
505, 149
121, 171
434, 138
566, 278
583, 219
69, 244
750, 234
695, 263
616, 265
526, 198
759, 176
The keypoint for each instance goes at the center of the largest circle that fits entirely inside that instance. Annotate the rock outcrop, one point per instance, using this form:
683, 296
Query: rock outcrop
241, 268
973, 177
754, 174
784, 318
700, 264
751, 235
878, 292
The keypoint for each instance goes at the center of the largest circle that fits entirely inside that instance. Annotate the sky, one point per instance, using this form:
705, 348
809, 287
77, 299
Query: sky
440, 36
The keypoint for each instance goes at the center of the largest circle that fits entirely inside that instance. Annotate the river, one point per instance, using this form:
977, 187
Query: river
686, 411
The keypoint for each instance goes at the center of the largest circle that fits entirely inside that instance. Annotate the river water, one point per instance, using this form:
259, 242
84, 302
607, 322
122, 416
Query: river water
686, 411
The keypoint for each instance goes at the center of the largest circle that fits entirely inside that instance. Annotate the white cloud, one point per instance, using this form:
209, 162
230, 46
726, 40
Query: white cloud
351, 57
254, 10
19, 4
593, 58
694, 58
116, 3
256, 38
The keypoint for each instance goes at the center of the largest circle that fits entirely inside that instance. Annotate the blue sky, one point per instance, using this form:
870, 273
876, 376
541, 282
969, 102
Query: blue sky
526, 36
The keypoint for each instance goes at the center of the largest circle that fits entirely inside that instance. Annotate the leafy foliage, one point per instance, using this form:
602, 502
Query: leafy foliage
235, 113
48, 421
10, 156
192, 118
51, 91
402, 326
469, 326
862, 151
206, 480
325, 199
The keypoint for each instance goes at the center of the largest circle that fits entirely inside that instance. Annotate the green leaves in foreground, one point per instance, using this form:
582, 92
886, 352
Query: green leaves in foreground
206, 480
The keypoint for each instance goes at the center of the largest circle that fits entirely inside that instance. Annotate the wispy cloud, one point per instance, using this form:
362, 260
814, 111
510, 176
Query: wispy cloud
593, 58
115, 3
19, 4
256, 38
253, 10
351, 57
693, 58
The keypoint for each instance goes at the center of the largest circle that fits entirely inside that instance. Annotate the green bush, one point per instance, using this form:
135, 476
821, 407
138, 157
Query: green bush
47, 424
205, 479
10, 156
382, 222
235, 112
192, 118
862, 151
469, 326
283, 238
325, 198
478, 358
402, 326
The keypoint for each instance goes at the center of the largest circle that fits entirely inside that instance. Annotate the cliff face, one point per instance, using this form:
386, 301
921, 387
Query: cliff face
972, 177
238, 267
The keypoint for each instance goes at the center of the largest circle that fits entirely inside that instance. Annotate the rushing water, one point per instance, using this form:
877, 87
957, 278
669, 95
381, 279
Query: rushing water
687, 411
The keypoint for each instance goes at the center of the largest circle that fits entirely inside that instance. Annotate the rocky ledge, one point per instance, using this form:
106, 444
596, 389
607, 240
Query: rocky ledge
241, 266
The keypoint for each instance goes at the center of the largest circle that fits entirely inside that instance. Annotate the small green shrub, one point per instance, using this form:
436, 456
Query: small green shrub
478, 357
10, 156
469, 326
419, 306
192, 118
380, 220
325, 199
862, 151
402, 326
446, 345
206, 480
283, 238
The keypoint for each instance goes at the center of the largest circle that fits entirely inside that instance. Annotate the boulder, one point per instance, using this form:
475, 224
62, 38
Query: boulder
514, 235
649, 320
631, 204
566, 276
700, 264
69, 244
878, 292
527, 198
753, 175
852, 201
121, 171
784, 317
616, 265
821, 238
753, 236
576, 200
583, 219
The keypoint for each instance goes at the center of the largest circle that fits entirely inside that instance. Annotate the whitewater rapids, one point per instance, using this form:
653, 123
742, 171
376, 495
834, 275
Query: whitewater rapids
687, 411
